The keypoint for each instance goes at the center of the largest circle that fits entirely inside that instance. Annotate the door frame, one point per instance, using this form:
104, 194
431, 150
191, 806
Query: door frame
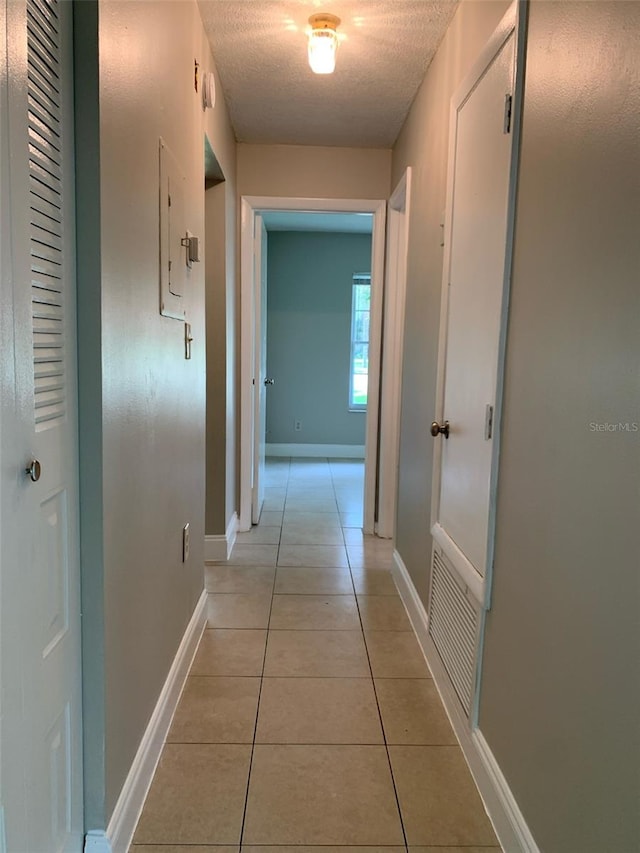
395, 288
249, 207
259, 396
514, 21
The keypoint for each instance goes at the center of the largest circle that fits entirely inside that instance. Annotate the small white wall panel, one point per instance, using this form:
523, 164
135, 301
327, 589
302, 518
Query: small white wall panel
174, 271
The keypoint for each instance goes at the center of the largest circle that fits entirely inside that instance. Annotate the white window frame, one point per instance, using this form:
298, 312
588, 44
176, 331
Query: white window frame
358, 279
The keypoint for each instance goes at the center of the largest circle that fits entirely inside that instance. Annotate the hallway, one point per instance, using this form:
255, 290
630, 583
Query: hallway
309, 720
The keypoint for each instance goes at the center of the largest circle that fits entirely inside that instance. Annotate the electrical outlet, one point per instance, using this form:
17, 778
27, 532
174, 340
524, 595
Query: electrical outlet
297, 425
185, 543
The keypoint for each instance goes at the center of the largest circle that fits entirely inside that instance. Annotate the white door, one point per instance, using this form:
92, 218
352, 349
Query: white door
261, 380
41, 773
393, 341
476, 236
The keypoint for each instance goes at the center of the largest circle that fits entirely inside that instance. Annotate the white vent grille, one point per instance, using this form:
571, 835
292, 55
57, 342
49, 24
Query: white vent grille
46, 221
453, 626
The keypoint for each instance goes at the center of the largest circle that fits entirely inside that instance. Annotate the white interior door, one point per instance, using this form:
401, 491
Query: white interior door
393, 341
261, 380
40, 585
476, 236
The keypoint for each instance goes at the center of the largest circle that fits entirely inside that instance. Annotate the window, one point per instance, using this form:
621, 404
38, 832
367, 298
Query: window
359, 365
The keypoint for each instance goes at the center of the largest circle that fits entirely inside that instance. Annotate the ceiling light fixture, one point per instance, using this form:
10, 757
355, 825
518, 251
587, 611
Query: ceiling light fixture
323, 42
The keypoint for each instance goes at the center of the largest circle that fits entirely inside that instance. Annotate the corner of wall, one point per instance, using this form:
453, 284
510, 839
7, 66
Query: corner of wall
89, 272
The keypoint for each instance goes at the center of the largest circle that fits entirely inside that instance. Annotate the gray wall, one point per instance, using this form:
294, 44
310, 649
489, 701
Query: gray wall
142, 405
559, 699
308, 336
559, 705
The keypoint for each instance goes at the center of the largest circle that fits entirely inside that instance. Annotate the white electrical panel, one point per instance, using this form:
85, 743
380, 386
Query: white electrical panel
175, 263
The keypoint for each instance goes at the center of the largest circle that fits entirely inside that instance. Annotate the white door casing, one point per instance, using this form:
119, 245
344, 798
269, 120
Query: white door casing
473, 318
250, 207
6, 346
40, 585
393, 338
260, 374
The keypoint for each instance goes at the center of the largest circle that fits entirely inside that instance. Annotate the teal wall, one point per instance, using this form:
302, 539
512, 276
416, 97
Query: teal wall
308, 336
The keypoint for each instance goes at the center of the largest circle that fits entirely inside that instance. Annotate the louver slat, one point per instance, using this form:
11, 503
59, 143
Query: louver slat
46, 225
43, 19
38, 112
49, 9
42, 192
453, 626
43, 137
44, 106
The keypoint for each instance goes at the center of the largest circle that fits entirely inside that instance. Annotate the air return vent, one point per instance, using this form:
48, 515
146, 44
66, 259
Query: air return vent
45, 197
453, 627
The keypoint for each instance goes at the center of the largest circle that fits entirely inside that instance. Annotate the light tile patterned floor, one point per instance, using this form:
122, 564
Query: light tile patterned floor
309, 722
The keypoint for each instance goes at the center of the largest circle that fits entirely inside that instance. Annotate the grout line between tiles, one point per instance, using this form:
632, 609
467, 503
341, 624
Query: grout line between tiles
344, 541
262, 675
255, 726
384, 734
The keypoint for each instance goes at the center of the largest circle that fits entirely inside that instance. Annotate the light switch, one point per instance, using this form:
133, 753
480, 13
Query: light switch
192, 244
194, 248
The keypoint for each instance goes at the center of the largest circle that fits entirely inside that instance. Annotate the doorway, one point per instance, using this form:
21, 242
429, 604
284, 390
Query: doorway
253, 314
316, 337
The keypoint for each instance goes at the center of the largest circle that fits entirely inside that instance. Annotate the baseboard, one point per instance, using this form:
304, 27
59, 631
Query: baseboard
134, 791
517, 824
3, 835
217, 548
500, 804
411, 599
97, 841
333, 451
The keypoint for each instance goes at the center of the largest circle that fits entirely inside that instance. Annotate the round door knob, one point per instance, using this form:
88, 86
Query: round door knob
437, 428
34, 470
269, 381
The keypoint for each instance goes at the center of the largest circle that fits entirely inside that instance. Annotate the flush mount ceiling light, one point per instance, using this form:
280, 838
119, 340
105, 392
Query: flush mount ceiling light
323, 42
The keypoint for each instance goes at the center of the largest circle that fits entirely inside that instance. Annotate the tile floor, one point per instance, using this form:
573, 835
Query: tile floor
309, 720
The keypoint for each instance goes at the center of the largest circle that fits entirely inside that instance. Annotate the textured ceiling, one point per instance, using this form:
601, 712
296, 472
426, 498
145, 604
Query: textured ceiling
260, 49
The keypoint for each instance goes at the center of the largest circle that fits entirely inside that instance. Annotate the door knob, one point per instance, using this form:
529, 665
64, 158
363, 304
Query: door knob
437, 428
34, 470
269, 381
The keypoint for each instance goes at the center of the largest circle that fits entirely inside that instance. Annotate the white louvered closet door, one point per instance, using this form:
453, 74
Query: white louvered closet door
41, 721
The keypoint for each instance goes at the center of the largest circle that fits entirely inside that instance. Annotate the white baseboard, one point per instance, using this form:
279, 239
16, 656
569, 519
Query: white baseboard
3, 835
134, 791
411, 599
97, 841
517, 825
334, 451
218, 548
507, 819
